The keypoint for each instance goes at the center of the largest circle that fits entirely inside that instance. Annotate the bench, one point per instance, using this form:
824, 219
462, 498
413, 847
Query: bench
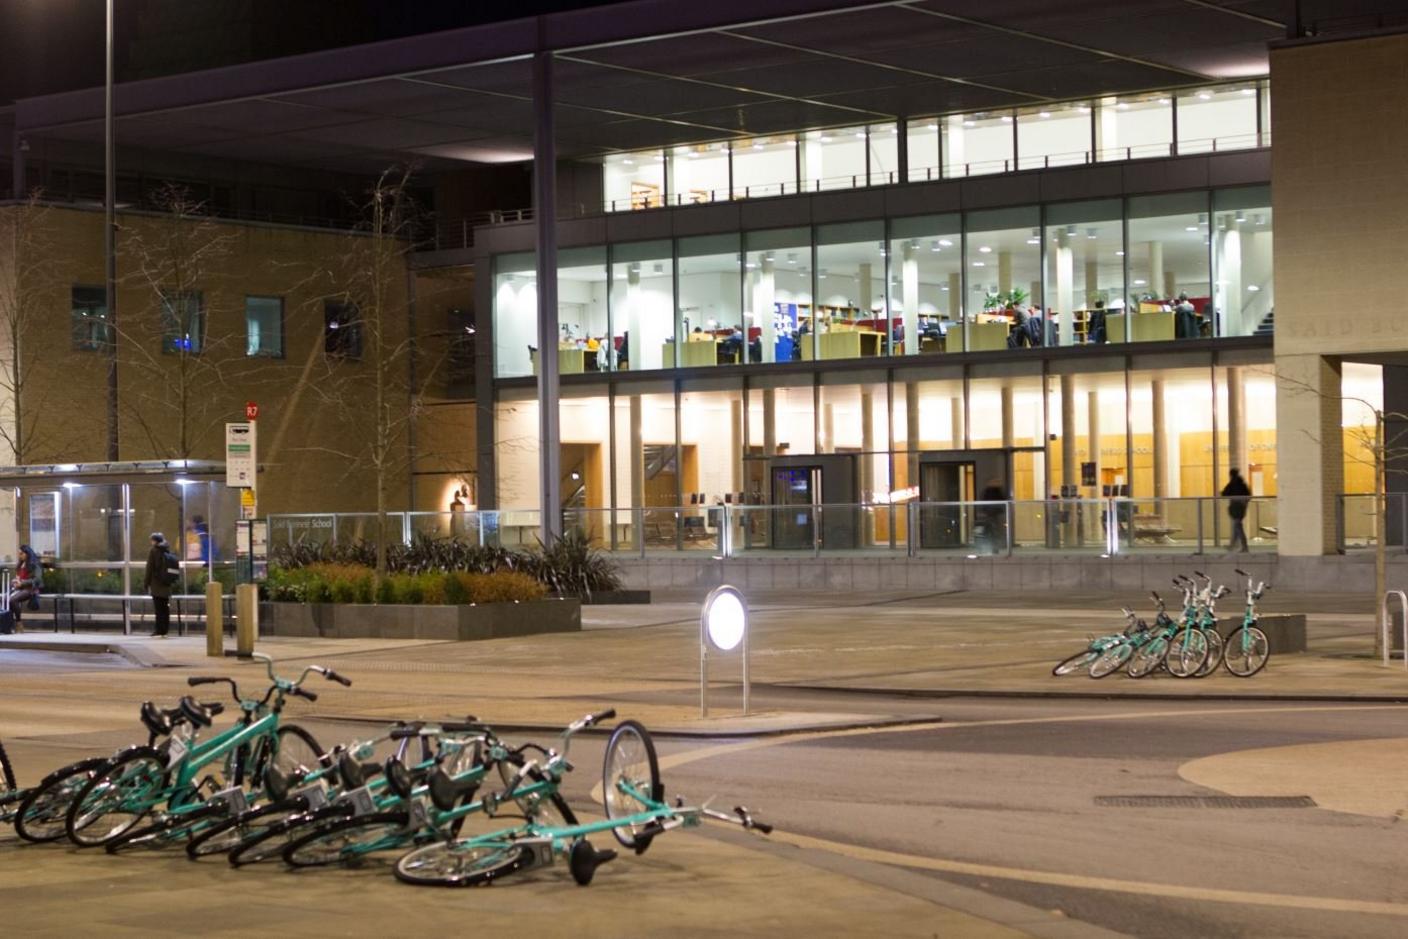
96, 610
1153, 528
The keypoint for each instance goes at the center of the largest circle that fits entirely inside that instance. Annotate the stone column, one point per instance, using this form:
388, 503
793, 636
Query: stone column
1160, 444
909, 294
1093, 435
1237, 421
1004, 271
1309, 452
955, 297
637, 455
1066, 300
770, 422
956, 421
864, 288
912, 442
1007, 434
867, 466
736, 445
828, 427
1154, 251
764, 303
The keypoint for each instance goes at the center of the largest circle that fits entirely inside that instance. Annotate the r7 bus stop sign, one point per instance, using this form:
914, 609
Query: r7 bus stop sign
251, 411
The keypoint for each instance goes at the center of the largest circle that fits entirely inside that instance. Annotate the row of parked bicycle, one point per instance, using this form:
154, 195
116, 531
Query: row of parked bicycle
263, 789
1187, 647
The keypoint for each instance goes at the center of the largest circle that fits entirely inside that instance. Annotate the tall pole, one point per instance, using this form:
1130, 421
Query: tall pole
110, 245
545, 219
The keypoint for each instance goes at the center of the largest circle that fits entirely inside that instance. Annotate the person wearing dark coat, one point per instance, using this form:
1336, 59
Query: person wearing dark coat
155, 584
1237, 495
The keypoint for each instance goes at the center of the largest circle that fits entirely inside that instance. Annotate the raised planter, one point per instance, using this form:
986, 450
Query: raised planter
603, 597
1285, 632
414, 621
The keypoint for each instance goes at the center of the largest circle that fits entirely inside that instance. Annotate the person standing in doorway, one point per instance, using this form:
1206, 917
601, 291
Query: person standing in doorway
158, 582
1237, 495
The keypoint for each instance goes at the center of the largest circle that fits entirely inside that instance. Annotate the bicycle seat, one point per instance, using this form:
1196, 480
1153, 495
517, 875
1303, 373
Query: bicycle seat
446, 791
399, 779
157, 721
200, 715
354, 774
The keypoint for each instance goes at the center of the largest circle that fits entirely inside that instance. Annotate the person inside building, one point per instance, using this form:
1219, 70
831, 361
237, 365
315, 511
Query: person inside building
1095, 331
1237, 495
1185, 319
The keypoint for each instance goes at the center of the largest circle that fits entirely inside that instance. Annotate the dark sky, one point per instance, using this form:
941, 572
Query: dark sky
48, 46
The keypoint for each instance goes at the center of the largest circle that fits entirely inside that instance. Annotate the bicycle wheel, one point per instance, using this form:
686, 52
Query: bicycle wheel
270, 842
1187, 652
227, 833
298, 753
117, 798
7, 773
1111, 660
42, 814
1249, 649
1076, 663
350, 839
1147, 657
545, 808
167, 831
1214, 658
461, 864
630, 758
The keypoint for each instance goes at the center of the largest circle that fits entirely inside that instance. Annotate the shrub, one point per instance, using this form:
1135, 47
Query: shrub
323, 582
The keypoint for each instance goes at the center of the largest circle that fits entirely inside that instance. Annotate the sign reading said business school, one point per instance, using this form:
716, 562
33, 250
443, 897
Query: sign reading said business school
239, 455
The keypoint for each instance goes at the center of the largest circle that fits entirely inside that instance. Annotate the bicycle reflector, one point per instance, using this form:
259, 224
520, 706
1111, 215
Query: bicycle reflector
724, 618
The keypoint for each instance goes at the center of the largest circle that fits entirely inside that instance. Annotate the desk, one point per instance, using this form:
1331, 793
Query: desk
850, 344
982, 337
570, 360
1155, 326
694, 354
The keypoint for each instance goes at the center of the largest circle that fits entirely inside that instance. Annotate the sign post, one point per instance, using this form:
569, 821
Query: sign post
723, 627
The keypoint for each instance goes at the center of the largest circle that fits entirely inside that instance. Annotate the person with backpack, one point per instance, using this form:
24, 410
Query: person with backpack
163, 570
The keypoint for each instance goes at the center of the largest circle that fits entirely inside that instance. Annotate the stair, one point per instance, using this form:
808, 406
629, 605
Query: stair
1267, 327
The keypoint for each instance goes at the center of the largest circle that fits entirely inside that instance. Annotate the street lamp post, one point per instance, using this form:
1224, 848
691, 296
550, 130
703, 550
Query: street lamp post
110, 243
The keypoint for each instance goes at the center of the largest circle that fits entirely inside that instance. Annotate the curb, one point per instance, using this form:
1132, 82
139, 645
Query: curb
133, 653
664, 730
937, 693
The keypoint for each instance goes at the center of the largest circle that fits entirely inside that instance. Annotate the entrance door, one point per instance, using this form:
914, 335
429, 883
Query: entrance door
795, 492
944, 526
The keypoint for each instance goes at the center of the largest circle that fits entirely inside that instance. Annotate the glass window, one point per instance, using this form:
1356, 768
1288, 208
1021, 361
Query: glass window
1084, 270
710, 312
777, 294
634, 180
1005, 411
1167, 259
979, 143
699, 174
1133, 127
1217, 119
1265, 99
850, 317
264, 326
182, 322
926, 271
834, 159
884, 140
1002, 257
923, 142
583, 337
515, 314
642, 305
342, 330
1054, 135
1244, 292
765, 166
89, 319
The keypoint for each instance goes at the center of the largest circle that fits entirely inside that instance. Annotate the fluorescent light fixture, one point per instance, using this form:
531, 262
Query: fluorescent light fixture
979, 264
72, 485
1119, 254
970, 123
1123, 105
757, 145
1253, 288
945, 243
1083, 109
825, 139
1140, 283
1248, 91
1165, 101
1044, 114
860, 135
933, 126
1204, 96
629, 162
984, 249
1191, 228
1007, 119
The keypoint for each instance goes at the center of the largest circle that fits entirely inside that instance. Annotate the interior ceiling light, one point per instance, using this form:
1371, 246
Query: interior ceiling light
1248, 91
825, 139
1165, 101
860, 135
1007, 119
979, 264
1140, 283
1083, 109
757, 145
1091, 234
1123, 105
1119, 254
984, 249
1241, 216
970, 123
933, 126
1191, 228
629, 162
945, 242
1204, 96
1044, 114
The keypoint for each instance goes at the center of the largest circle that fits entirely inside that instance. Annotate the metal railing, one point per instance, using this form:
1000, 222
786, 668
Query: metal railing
1121, 526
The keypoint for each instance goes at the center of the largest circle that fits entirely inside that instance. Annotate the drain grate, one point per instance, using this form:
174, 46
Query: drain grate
1206, 802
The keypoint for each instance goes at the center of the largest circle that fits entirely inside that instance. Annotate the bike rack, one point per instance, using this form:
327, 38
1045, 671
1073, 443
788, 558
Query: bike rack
1387, 629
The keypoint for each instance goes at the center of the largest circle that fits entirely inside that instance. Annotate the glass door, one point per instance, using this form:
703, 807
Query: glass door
795, 491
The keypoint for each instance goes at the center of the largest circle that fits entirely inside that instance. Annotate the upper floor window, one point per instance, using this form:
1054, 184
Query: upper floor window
92, 332
264, 326
342, 330
182, 321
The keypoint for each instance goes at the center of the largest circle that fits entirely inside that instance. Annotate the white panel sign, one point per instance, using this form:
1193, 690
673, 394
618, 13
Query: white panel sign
240, 465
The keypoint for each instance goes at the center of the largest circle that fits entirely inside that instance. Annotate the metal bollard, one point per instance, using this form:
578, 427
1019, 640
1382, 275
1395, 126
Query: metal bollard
246, 618
214, 620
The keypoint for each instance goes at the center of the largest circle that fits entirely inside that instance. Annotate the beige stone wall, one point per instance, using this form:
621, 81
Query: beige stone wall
314, 412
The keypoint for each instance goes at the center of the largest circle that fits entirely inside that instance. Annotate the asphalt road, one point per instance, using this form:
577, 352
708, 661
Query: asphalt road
1001, 797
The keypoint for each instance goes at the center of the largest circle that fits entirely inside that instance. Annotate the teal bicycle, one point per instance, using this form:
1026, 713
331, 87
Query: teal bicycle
636, 813
1247, 646
169, 778
10, 793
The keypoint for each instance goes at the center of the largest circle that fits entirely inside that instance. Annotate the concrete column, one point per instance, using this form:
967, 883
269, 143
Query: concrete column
637, 455
1093, 434
770, 422
1237, 421
1066, 300
1034, 294
956, 421
955, 296
736, 446
864, 297
1007, 435
1170, 284
1070, 472
1004, 271
1309, 452
1160, 445
911, 432
1092, 285
545, 226
867, 466
1154, 257
828, 427
764, 307
909, 296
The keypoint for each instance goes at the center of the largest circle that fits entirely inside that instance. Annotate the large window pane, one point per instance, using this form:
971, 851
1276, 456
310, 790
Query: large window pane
182, 321
884, 154
264, 326
850, 317
1084, 269
777, 292
642, 305
634, 180
515, 314
926, 269
1133, 127
699, 174
834, 159
1217, 119
765, 166
1055, 135
923, 149
974, 144
1003, 260
1168, 260
583, 340
1244, 294
89, 318
710, 318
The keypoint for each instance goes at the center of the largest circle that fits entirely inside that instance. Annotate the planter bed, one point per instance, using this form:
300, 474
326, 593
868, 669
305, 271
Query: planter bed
417, 621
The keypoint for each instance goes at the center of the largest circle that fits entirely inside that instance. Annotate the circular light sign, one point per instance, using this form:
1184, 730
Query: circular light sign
724, 618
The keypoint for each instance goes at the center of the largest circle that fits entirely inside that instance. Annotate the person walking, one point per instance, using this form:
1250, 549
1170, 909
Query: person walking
159, 581
1237, 495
